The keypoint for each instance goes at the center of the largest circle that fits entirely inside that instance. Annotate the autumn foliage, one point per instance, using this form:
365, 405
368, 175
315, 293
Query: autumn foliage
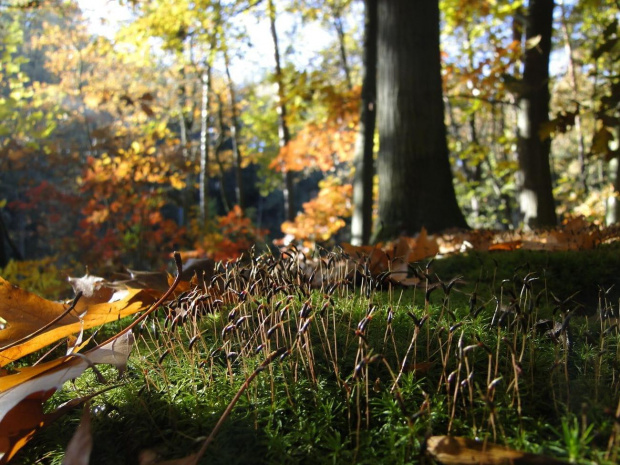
233, 235
126, 192
323, 216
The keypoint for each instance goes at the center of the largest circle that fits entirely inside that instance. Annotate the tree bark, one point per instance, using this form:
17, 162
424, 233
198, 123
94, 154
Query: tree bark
572, 74
204, 148
337, 13
415, 180
217, 151
536, 195
234, 133
361, 223
284, 135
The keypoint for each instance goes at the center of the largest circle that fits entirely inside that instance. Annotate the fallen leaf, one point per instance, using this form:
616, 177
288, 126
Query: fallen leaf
26, 313
394, 257
451, 450
23, 394
506, 246
373, 258
419, 368
424, 247
94, 290
151, 457
81, 444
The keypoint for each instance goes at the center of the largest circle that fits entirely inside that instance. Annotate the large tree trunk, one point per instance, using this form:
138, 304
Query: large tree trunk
284, 135
361, 223
536, 196
415, 180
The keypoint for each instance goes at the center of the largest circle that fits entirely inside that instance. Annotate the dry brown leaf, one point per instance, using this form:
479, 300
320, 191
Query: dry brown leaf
399, 265
93, 288
425, 247
577, 234
374, 258
505, 246
451, 450
395, 257
151, 457
22, 395
399, 274
418, 368
26, 313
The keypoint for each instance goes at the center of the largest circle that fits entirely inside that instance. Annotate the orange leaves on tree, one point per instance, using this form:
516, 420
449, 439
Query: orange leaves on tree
323, 144
316, 147
233, 234
322, 216
126, 193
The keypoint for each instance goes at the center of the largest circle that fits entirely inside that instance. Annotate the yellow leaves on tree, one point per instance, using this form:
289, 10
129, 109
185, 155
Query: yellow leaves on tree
95, 73
141, 163
126, 192
324, 215
40, 276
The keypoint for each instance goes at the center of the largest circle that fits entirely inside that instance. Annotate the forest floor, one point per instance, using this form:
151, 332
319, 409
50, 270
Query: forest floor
517, 348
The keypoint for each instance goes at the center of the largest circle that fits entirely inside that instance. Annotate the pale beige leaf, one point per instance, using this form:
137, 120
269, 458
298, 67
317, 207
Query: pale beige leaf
451, 450
22, 394
81, 444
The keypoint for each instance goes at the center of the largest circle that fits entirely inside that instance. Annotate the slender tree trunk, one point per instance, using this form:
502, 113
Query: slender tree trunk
572, 73
234, 134
204, 146
336, 12
415, 180
218, 150
361, 223
612, 214
284, 135
536, 195
185, 124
